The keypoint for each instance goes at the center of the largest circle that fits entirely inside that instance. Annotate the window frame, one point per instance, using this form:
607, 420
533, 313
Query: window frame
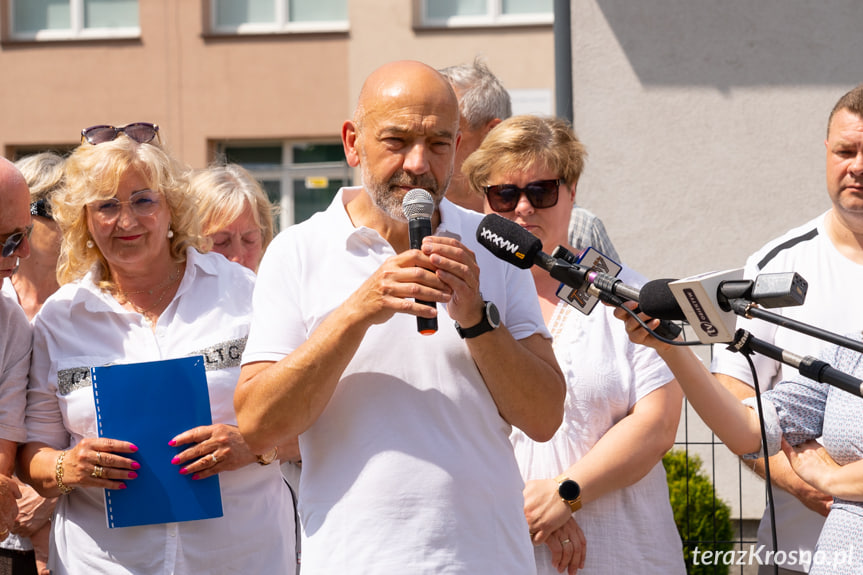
281, 25
289, 171
76, 31
493, 17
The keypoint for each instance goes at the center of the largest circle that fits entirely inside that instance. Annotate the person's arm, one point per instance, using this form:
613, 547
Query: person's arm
9, 491
781, 473
522, 375
814, 465
622, 456
277, 401
733, 422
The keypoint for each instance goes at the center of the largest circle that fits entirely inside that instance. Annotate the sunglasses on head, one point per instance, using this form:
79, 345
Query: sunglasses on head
41, 207
540, 194
14, 241
141, 132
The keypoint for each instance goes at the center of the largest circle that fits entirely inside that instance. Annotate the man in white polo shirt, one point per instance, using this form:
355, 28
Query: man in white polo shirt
407, 466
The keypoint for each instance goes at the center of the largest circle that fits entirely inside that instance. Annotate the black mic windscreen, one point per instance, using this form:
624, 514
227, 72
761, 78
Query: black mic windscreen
656, 300
508, 241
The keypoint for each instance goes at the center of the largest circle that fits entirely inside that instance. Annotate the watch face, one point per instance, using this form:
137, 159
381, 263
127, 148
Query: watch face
492, 314
569, 490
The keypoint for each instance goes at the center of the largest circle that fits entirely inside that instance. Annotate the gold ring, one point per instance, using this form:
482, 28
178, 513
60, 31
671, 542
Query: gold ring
99, 458
214, 458
97, 472
4, 533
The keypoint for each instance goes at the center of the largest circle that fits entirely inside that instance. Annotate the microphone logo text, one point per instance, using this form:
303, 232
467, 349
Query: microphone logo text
705, 324
502, 243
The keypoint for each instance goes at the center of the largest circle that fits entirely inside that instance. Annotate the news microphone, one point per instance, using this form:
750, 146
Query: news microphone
695, 300
512, 243
418, 207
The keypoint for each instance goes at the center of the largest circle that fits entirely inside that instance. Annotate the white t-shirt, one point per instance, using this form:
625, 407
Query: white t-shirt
409, 468
630, 530
15, 343
81, 326
832, 303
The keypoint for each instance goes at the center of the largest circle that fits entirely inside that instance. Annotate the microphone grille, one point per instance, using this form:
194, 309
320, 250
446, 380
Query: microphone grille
418, 203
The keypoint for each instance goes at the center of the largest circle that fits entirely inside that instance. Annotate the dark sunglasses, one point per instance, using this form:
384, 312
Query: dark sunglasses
141, 132
14, 241
42, 208
505, 197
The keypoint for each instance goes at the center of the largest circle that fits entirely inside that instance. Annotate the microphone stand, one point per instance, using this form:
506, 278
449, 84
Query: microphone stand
808, 366
749, 310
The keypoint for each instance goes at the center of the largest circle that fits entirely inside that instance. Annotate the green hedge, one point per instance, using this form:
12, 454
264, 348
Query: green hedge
703, 520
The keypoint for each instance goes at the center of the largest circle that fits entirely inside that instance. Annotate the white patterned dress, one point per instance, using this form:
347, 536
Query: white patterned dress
803, 409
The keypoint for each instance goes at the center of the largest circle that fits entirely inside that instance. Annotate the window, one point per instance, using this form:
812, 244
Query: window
274, 16
74, 19
300, 177
463, 13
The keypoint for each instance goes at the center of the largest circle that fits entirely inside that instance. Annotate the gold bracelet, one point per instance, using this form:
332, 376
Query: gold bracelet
58, 475
269, 457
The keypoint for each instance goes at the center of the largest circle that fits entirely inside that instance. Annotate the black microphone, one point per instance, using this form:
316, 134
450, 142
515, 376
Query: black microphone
710, 302
512, 243
418, 207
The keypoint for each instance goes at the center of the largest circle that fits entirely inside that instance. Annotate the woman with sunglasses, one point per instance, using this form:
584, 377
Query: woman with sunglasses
603, 467
136, 288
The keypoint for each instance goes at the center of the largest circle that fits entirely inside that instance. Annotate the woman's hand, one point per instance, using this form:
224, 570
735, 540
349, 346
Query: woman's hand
567, 546
98, 462
543, 508
34, 511
637, 333
216, 448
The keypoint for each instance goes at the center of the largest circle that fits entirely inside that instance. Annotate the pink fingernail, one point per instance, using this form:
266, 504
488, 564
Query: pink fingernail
196, 476
122, 486
172, 443
133, 447
175, 460
184, 471
132, 475
136, 465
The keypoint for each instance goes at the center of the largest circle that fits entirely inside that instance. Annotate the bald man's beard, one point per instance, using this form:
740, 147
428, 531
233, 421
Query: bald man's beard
387, 196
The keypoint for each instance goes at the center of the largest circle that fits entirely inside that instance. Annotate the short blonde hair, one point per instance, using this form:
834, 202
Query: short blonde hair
522, 142
93, 172
44, 173
223, 192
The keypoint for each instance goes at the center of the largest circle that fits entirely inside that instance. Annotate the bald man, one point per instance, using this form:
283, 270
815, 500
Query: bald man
407, 466
15, 335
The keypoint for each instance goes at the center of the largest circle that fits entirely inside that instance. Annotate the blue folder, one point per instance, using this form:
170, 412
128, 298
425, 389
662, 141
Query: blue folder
148, 404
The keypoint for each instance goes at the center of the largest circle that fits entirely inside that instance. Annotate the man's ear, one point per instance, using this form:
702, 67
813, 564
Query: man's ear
489, 125
349, 143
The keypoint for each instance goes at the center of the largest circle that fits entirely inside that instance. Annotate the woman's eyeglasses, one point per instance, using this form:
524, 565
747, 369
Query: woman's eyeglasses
141, 132
14, 241
143, 203
540, 194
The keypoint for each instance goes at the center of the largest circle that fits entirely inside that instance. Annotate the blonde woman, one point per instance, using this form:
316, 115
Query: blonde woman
135, 288
236, 215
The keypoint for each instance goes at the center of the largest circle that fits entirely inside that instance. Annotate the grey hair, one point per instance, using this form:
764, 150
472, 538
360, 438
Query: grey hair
482, 97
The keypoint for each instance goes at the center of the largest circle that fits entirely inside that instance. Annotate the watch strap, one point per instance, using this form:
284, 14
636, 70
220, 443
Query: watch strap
574, 504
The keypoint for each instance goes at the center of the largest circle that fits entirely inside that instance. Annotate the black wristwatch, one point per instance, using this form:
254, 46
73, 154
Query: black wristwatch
569, 492
490, 320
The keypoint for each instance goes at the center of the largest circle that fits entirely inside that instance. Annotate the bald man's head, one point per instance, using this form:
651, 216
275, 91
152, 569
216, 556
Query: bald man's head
404, 133
14, 215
